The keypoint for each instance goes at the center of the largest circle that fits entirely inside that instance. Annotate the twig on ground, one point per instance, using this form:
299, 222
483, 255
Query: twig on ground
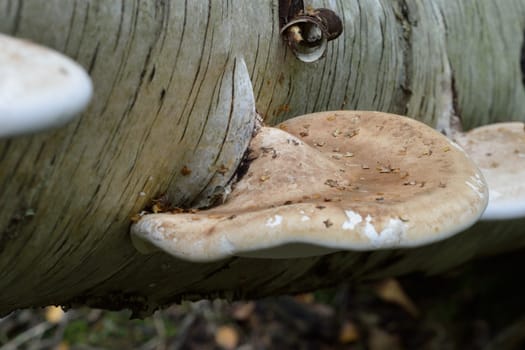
26, 336
511, 337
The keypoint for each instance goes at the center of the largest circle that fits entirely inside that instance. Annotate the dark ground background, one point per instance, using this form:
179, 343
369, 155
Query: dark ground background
478, 306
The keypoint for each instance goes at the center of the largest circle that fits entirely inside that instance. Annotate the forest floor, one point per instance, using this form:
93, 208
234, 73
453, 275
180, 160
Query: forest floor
478, 306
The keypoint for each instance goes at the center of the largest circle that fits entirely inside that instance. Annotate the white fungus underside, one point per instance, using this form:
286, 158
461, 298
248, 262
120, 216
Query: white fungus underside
39, 88
506, 195
499, 151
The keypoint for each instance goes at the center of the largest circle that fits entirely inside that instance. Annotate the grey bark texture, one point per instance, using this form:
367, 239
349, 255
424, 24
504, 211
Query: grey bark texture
170, 94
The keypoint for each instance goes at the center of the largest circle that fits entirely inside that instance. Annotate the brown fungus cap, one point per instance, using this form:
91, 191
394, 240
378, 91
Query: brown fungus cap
499, 151
332, 181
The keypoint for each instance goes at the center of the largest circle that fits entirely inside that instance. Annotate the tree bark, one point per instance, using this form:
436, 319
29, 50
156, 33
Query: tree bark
165, 75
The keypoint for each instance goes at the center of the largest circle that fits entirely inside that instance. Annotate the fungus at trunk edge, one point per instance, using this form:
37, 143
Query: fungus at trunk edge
328, 182
499, 151
39, 88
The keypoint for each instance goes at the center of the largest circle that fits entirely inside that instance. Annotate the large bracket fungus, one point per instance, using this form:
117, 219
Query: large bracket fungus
39, 88
328, 182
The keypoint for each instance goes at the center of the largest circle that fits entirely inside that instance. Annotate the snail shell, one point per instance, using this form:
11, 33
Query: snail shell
308, 35
332, 24
306, 38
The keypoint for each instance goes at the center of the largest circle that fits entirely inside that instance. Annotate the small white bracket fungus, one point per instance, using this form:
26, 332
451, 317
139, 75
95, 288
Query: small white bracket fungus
499, 151
226, 134
328, 182
39, 88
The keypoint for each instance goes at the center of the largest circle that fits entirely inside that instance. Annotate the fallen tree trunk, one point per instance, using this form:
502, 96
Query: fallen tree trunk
163, 74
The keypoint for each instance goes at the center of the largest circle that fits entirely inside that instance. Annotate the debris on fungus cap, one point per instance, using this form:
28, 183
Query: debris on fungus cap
328, 182
499, 151
39, 88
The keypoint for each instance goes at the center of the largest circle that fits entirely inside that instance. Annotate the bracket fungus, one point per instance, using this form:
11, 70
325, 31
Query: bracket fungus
328, 182
499, 151
39, 88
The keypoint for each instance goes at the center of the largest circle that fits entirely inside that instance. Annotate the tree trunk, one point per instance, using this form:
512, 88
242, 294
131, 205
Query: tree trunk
165, 75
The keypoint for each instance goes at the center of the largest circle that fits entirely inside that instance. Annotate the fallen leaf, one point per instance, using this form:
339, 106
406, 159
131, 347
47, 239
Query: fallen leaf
379, 339
242, 311
348, 333
54, 314
62, 346
226, 337
305, 298
391, 291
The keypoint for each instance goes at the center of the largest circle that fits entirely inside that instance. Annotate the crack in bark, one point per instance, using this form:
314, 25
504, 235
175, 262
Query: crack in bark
522, 59
402, 16
456, 124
